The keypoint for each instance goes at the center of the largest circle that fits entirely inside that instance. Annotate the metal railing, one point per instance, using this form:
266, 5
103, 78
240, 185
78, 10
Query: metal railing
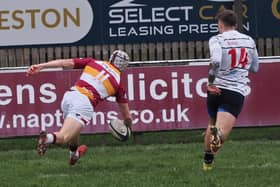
192, 62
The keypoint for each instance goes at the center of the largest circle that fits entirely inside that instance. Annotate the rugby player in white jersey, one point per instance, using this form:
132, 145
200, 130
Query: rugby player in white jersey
232, 56
99, 80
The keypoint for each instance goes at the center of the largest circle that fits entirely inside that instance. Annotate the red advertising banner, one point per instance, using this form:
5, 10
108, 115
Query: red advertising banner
161, 98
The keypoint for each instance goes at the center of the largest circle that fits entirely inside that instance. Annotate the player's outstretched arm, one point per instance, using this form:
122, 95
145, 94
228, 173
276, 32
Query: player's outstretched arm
63, 63
124, 109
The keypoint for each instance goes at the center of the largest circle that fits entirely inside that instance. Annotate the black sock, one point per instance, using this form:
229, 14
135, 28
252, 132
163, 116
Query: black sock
54, 138
73, 147
208, 157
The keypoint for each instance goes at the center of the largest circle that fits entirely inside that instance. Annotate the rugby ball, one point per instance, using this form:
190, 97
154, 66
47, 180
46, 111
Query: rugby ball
119, 130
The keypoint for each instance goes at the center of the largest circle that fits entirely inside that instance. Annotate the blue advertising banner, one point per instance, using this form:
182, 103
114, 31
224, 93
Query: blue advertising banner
130, 21
82, 22
267, 17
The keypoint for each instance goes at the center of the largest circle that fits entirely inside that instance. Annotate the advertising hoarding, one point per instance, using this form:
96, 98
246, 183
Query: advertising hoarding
160, 98
82, 22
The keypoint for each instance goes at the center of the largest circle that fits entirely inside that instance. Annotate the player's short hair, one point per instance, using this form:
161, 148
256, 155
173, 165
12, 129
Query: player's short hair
228, 17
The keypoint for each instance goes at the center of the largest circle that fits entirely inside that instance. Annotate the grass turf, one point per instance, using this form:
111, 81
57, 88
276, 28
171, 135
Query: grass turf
249, 158
240, 163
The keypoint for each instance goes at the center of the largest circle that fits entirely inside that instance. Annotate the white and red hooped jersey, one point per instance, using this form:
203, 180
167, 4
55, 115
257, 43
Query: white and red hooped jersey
236, 55
99, 80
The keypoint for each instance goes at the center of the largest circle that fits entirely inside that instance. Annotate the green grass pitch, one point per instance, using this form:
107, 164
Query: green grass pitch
253, 162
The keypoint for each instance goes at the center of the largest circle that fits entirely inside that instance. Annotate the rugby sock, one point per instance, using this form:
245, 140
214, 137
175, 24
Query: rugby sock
51, 138
208, 157
73, 149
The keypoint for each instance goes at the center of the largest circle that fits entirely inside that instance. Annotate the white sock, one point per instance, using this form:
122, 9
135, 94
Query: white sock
50, 138
75, 154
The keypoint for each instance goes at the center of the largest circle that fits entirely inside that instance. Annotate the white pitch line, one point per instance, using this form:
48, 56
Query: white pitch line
57, 175
257, 166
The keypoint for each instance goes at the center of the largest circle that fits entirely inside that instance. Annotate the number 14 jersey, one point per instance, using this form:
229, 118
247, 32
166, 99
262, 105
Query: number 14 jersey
235, 54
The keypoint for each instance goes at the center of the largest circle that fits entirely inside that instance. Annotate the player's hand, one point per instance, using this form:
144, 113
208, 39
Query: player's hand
128, 122
33, 70
212, 89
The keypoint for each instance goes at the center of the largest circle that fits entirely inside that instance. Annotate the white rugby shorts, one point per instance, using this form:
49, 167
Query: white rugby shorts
77, 106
